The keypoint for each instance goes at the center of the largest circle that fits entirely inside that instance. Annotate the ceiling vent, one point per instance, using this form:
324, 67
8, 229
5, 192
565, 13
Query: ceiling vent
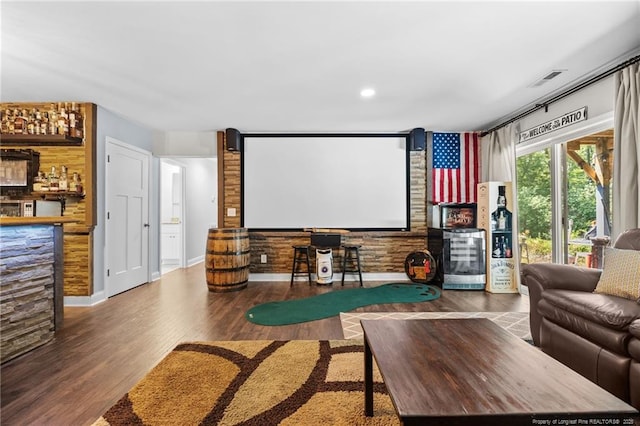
550, 76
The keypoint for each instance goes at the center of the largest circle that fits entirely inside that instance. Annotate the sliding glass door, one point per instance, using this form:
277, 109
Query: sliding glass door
564, 198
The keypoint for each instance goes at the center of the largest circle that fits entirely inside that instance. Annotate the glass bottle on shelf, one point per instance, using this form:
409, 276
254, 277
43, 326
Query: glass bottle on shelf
63, 121
37, 182
63, 183
31, 129
496, 252
5, 121
73, 183
79, 126
508, 252
501, 216
54, 180
53, 120
79, 188
45, 183
19, 122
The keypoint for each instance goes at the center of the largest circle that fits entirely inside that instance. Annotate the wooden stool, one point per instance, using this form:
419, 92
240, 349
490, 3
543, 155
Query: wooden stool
300, 257
352, 252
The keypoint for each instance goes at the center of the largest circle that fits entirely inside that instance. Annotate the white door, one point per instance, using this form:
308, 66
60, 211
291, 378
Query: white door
127, 224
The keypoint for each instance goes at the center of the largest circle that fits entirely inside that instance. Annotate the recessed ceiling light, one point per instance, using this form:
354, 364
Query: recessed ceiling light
367, 92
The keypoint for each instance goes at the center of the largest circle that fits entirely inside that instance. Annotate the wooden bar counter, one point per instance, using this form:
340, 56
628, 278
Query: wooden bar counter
31, 282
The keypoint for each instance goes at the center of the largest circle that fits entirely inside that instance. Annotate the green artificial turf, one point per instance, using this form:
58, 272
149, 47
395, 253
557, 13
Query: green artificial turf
330, 304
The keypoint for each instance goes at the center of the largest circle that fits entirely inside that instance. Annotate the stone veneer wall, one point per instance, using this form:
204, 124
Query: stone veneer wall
26, 288
381, 251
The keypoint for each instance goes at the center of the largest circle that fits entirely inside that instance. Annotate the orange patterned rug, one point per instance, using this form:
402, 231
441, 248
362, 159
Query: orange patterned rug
297, 382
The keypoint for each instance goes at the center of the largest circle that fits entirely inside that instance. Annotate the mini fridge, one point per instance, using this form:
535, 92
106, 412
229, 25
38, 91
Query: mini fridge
459, 247
463, 259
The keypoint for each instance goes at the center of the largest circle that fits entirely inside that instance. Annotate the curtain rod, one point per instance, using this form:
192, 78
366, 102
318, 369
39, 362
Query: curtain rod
580, 86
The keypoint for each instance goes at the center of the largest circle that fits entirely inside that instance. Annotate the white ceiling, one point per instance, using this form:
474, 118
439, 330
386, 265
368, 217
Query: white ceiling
300, 65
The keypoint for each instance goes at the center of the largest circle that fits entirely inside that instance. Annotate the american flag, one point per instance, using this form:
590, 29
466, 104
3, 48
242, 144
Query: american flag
455, 167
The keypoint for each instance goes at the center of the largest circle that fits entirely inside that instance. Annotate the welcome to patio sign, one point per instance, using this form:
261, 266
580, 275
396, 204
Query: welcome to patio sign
555, 124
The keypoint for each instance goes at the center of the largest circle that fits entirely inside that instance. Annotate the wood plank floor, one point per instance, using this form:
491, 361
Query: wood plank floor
102, 351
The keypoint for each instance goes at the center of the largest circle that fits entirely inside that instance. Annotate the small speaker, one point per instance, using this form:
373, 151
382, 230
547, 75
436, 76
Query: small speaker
234, 140
417, 139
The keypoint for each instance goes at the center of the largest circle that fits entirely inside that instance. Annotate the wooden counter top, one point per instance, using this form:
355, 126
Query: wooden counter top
53, 220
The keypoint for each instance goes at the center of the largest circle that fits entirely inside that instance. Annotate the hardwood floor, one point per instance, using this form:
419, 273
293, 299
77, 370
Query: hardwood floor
102, 351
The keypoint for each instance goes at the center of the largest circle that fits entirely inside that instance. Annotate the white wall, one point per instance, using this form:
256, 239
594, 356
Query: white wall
191, 144
112, 125
201, 206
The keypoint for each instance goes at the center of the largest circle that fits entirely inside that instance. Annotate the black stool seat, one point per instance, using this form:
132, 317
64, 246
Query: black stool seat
300, 257
351, 253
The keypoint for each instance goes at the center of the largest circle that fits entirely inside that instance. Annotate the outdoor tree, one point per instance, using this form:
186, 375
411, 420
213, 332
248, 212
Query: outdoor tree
534, 194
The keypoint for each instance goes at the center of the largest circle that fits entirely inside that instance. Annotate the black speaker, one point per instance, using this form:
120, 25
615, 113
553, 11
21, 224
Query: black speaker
417, 139
234, 140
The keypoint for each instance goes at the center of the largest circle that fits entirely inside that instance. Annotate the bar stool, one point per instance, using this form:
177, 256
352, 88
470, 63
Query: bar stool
351, 253
300, 257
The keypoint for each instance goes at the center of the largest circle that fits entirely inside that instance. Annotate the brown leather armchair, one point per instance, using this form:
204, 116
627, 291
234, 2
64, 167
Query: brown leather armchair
595, 334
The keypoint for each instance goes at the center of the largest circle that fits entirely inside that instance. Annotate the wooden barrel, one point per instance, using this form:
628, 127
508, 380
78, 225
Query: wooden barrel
227, 259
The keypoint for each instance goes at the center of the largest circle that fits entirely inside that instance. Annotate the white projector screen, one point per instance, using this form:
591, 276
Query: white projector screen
356, 182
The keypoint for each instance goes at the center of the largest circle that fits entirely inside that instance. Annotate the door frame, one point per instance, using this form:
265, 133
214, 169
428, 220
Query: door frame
183, 226
112, 141
557, 146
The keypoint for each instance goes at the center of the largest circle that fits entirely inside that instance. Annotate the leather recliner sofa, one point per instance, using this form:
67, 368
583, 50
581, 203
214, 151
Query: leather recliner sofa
595, 334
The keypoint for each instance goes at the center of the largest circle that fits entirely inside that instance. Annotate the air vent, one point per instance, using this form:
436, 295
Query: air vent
550, 76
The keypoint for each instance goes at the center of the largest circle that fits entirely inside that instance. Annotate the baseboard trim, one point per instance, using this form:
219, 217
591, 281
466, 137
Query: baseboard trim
195, 261
84, 301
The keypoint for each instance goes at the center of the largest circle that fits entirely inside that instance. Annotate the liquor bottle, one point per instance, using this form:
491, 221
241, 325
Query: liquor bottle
72, 120
53, 120
54, 180
497, 249
37, 183
508, 252
31, 130
79, 127
63, 122
63, 183
19, 122
44, 180
79, 188
503, 246
5, 121
73, 184
501, 215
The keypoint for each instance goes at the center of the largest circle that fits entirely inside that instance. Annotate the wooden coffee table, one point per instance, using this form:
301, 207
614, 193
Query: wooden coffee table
473, 372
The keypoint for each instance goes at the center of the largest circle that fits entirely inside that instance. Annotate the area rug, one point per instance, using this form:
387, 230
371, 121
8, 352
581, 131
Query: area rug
257, 383
332, 303
515, 322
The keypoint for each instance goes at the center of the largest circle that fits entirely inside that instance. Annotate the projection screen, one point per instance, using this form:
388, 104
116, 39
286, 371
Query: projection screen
355, 182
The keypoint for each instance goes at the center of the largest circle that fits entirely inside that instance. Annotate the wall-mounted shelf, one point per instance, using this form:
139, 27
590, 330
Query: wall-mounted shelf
58, 196
43, 140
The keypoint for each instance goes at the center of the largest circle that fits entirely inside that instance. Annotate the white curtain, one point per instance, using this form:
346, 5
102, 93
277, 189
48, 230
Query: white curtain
626, 148
498, 153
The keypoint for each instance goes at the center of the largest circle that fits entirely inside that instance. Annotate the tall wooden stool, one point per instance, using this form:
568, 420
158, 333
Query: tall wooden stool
300, 257
351, 253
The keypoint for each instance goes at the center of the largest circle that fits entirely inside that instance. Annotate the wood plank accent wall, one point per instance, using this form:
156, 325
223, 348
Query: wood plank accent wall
78, 237
381, 251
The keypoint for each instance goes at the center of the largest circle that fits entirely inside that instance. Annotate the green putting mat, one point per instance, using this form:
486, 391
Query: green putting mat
330, 304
